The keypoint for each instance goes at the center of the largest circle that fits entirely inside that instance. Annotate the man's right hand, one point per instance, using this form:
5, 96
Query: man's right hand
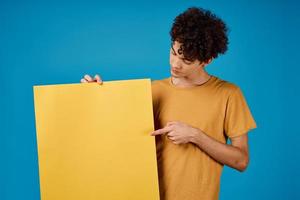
88, 79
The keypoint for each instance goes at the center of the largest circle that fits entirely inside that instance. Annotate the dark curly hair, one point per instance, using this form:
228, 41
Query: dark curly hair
201, 33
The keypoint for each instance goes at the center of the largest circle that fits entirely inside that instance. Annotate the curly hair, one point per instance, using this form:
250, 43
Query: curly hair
201, 33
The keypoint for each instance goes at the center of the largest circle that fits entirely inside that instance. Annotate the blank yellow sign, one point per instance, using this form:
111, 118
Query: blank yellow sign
94, 142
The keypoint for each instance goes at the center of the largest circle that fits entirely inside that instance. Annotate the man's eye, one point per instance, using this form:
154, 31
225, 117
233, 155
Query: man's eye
187, 62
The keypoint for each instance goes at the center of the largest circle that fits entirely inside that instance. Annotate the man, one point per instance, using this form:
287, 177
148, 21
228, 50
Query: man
195, 113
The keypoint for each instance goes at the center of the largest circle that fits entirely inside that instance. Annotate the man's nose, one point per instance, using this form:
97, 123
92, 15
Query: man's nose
176, 64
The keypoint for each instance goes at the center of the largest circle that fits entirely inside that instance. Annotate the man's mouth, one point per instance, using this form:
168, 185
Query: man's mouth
175, 71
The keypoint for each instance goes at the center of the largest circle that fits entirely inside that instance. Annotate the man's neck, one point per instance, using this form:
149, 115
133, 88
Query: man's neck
192, 80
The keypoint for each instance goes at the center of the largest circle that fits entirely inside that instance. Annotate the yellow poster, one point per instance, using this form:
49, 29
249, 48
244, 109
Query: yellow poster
94, 143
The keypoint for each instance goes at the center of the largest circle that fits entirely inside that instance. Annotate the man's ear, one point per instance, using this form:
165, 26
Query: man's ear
207, 62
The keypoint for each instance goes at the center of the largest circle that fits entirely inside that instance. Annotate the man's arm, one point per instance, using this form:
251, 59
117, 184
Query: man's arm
235, 155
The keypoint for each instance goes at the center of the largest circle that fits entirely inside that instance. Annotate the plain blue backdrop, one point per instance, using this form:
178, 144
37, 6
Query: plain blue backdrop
59, 42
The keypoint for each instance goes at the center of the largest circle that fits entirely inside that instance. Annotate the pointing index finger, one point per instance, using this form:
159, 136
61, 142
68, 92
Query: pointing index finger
161, 131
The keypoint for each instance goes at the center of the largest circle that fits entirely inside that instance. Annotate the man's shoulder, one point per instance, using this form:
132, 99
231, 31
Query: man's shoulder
159, 82
159, 87
225, 85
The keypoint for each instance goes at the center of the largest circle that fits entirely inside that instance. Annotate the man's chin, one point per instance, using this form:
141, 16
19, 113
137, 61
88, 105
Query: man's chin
175, 75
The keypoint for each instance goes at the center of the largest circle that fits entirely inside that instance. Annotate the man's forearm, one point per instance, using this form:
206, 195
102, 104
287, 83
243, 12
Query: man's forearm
226, 154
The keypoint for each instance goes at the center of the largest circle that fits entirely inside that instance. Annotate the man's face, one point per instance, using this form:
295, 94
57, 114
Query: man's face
179, 66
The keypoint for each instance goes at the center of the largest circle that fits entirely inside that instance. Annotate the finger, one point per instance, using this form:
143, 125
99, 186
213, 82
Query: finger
168, 124
83, 80
171, 123
172, 138
161, 131
88, 78
171, 134
157, 132
98, 79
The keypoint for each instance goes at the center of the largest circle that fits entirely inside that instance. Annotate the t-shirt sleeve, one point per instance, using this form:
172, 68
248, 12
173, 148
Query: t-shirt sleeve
238, 117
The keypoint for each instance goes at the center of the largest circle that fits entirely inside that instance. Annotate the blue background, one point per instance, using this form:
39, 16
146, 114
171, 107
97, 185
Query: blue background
55, 43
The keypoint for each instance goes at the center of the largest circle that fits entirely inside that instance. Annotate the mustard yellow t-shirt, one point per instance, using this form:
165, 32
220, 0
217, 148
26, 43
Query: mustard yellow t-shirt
218, 108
